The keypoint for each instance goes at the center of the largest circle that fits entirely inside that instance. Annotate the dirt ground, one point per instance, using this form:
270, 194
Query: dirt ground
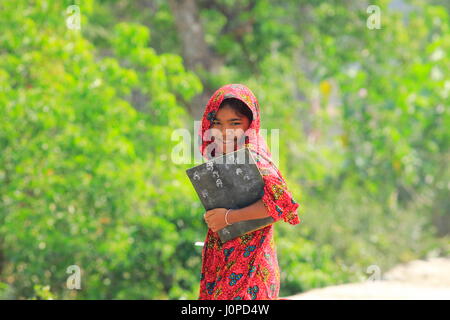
415, 280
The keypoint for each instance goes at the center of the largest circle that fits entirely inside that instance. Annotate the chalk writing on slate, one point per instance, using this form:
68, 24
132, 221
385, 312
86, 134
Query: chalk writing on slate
232, 181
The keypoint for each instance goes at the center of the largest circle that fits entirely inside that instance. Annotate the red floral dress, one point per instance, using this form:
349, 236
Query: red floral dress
246, 268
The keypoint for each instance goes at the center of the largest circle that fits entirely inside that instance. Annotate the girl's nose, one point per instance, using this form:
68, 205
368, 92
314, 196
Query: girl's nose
224, 132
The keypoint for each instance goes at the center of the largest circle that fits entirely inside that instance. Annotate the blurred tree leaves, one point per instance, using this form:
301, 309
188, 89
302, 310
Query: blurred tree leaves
72, 144
86, 116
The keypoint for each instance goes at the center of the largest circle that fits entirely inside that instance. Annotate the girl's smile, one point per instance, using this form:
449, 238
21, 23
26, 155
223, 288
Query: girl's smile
230, 129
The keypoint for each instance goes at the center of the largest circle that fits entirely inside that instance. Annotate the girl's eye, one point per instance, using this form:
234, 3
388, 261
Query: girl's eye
236, 123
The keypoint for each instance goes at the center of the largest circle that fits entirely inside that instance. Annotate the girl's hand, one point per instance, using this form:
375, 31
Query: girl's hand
215, 219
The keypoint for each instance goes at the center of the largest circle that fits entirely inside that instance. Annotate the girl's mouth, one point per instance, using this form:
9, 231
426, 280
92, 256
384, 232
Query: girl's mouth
225, 141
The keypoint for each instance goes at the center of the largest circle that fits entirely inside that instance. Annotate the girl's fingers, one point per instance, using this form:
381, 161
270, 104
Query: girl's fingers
209, 213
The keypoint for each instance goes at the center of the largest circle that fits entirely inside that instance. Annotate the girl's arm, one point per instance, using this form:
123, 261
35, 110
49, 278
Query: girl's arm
215, 218
256, 210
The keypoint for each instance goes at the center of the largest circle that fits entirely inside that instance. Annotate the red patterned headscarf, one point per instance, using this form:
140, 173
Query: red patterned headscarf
277, 198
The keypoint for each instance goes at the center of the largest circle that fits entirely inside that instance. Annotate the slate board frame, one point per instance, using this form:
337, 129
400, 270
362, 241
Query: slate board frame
231, 181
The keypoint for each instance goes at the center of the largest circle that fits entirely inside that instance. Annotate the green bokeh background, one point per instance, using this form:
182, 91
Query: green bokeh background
86, 176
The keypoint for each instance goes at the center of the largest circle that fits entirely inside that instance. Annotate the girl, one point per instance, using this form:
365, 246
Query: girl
245, 267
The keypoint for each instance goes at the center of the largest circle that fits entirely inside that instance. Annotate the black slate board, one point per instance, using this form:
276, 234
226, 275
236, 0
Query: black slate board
231, 181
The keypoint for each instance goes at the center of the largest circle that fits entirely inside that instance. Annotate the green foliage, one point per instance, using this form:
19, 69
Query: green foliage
86, 176
71, 145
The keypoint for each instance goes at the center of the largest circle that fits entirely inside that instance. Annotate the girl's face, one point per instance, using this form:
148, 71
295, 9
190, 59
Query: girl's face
236, 124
